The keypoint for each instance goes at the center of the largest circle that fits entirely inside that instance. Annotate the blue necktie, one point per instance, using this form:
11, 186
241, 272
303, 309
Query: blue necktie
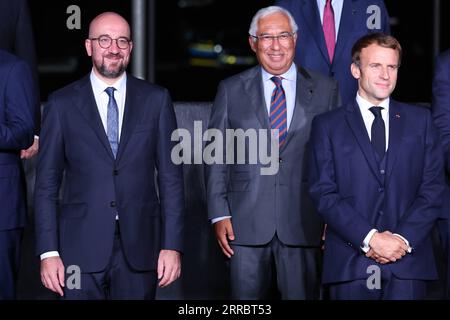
378, 132
278, 117
112, 124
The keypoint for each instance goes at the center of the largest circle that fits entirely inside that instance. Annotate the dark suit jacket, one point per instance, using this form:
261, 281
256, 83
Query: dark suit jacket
441, 102
16, 133
97, 186
261, 205
349, 193
312, 51
16, 37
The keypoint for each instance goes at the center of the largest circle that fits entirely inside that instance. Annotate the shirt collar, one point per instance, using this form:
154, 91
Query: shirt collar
98, 85
290, 75
366, 105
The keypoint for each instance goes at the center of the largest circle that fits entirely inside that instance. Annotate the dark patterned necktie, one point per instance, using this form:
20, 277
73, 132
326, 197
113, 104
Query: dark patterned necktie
278, 117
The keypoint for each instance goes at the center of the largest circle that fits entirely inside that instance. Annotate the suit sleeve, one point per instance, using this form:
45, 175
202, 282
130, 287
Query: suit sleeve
216, 174
24, 47
415, 225
49, 174
441, 103
335, 210
170, 180
16, 131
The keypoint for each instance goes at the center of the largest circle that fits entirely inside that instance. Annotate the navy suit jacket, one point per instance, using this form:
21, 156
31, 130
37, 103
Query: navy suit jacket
97, 186
311, 51
353, 197
16, 37
441, 114
16, 133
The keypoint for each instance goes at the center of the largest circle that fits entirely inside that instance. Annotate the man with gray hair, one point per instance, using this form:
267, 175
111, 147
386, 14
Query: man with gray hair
266, 224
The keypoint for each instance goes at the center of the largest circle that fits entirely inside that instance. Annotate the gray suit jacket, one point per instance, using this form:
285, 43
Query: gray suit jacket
262, 205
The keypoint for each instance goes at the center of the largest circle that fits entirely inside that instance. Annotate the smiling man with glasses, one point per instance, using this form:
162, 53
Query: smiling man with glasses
265, 224
109, 133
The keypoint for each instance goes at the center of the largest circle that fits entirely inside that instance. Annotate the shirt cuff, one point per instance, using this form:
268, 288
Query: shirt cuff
36, 137
365, 247
409, 250
49, 255
219, 219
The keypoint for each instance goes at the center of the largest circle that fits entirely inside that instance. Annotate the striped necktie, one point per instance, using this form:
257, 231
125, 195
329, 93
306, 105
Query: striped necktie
278, 117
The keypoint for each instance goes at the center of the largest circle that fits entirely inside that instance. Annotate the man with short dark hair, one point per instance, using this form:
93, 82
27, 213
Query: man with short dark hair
376, 179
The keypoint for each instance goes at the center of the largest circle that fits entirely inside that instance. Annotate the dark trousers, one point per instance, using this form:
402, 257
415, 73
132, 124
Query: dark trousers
294, 269
117, 282
391, 288
10, 241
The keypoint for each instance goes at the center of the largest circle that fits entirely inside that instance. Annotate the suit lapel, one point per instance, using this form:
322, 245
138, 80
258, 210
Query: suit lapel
130, 116
87, 106
311, 15
345, 27
396, 127
356, 123
304, 92
254, 87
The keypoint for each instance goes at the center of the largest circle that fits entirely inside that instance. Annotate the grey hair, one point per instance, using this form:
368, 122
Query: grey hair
264, 12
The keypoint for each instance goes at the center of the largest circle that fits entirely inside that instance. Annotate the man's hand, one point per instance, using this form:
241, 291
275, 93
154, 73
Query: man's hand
169, 267
388, 246
224, 231
371, 254
31, 151
52, 274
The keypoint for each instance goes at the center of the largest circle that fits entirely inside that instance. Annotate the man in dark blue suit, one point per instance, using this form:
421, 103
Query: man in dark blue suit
377, 180
441, 115
109, 133
348, 20
17, 97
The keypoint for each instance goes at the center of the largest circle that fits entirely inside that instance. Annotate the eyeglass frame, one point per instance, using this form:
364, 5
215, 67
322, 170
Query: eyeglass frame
266, 37
112, 39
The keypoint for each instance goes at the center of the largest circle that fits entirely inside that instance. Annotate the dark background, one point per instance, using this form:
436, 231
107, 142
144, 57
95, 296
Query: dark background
182, 24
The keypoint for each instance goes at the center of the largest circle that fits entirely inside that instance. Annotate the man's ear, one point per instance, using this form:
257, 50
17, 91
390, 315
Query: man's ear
88, 46
252, 43
356, 72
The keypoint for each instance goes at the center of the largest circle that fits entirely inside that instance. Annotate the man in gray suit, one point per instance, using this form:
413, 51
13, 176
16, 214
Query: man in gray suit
265, 223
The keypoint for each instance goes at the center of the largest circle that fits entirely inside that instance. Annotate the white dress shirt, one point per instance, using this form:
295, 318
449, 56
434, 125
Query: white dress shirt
337, 9
289, 83
102, 99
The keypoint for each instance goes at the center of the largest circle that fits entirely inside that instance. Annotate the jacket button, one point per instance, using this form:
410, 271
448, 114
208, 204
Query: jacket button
112, 204
280, 160
380, 190
115, 172
380, 213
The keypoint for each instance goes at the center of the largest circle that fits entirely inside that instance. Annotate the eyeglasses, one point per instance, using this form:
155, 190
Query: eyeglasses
283, 38
106, 41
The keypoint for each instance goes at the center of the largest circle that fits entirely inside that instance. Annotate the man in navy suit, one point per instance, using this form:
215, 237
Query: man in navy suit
441, 115
377, 180
110, 134
351, 20
17, 97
